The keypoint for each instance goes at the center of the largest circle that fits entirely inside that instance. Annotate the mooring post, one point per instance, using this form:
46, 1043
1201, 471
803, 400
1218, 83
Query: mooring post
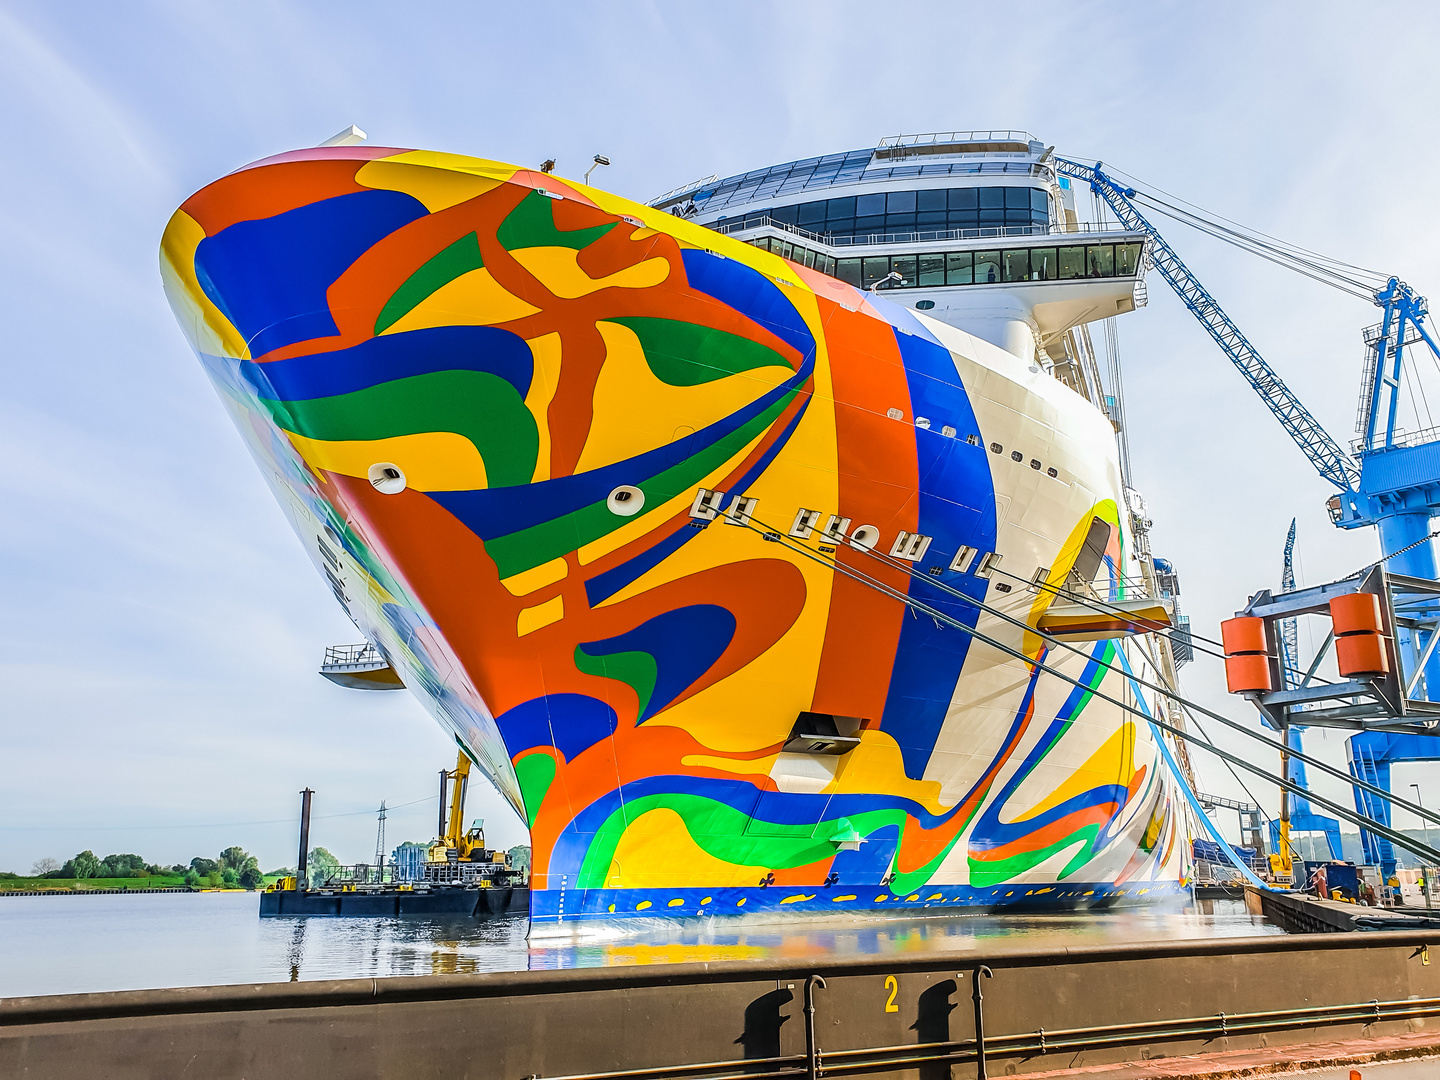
812, 1052
978, 995
440, 827
302, 879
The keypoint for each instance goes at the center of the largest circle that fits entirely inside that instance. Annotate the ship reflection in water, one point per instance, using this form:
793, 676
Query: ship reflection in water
332, 948
83, 944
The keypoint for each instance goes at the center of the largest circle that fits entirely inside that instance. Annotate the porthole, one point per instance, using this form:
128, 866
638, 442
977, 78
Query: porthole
924, 305
922, 422
387, 478
626, 501
1015, 455
864, 537
1052, 473
995, 448
894, 414
1035, 464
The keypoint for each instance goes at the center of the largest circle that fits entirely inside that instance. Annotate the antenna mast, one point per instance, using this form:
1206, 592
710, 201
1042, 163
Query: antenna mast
380, 844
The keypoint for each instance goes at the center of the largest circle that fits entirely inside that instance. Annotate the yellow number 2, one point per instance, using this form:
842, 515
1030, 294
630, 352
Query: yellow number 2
893, 985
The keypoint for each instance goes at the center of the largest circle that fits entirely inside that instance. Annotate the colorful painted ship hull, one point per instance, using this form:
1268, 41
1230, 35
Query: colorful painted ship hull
502, 410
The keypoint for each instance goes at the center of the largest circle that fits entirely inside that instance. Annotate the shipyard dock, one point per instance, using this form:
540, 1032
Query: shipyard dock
990, 1011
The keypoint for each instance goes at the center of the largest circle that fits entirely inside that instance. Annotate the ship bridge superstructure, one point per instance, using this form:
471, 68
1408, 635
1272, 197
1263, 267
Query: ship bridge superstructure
975, 228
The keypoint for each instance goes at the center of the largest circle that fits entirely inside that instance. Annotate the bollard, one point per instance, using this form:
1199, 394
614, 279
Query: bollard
812, 1051
979, 997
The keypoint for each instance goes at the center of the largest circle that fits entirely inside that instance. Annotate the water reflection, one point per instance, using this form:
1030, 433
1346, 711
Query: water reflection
77, 944
297, 950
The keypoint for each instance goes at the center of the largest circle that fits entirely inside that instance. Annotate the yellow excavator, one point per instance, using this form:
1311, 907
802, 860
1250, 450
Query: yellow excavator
461, 857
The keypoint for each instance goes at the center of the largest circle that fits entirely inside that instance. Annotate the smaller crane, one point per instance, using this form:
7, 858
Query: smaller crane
459, 856
1296, 815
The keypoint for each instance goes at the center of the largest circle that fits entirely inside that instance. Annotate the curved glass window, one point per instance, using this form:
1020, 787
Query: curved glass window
1017, 210
928, 271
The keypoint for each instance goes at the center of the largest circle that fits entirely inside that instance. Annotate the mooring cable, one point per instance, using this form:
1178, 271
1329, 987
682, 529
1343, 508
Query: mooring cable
1281, 748
1294, 851
1396, 838
940, 616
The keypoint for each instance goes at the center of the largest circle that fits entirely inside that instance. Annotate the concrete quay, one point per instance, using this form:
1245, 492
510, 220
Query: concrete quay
1301, 913
1036, 1011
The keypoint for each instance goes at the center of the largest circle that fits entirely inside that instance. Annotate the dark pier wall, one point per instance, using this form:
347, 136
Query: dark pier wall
876, 1016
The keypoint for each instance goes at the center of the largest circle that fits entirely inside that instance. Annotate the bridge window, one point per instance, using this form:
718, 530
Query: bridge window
934, 270
874, 270
1072, 262
987, 267
1100, 260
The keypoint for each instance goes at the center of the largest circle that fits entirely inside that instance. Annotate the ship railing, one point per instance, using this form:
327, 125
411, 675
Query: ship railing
984, 164
763, 221
1400, 438
360, 874
944, 137
1121, 588
346, 655
1212, 873
684, 189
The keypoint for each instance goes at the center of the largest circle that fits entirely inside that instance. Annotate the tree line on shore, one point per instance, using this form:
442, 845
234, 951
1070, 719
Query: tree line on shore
233, 868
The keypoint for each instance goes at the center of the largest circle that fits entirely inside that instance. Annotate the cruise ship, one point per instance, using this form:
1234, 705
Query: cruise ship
767, 545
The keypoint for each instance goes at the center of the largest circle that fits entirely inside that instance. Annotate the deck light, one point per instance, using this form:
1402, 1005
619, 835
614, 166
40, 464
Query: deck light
893, 275
600, 159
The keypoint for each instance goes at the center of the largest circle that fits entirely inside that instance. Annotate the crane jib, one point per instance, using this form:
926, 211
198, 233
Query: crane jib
1329, 459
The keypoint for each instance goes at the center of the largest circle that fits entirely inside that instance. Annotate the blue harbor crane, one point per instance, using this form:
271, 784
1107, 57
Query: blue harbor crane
1390, 481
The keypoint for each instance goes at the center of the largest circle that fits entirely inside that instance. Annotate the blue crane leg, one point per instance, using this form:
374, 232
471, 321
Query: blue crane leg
1378, 850
1370, 754
1398, 532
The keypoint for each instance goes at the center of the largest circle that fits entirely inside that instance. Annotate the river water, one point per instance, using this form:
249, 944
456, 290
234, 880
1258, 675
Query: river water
76, 944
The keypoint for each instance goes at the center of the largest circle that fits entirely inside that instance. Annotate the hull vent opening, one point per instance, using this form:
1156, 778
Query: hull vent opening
820, 733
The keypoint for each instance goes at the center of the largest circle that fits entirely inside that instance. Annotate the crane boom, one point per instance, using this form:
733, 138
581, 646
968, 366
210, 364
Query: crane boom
1329, 459
1289, 630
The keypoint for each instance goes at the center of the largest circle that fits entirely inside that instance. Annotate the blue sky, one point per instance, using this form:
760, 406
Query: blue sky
161, 627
